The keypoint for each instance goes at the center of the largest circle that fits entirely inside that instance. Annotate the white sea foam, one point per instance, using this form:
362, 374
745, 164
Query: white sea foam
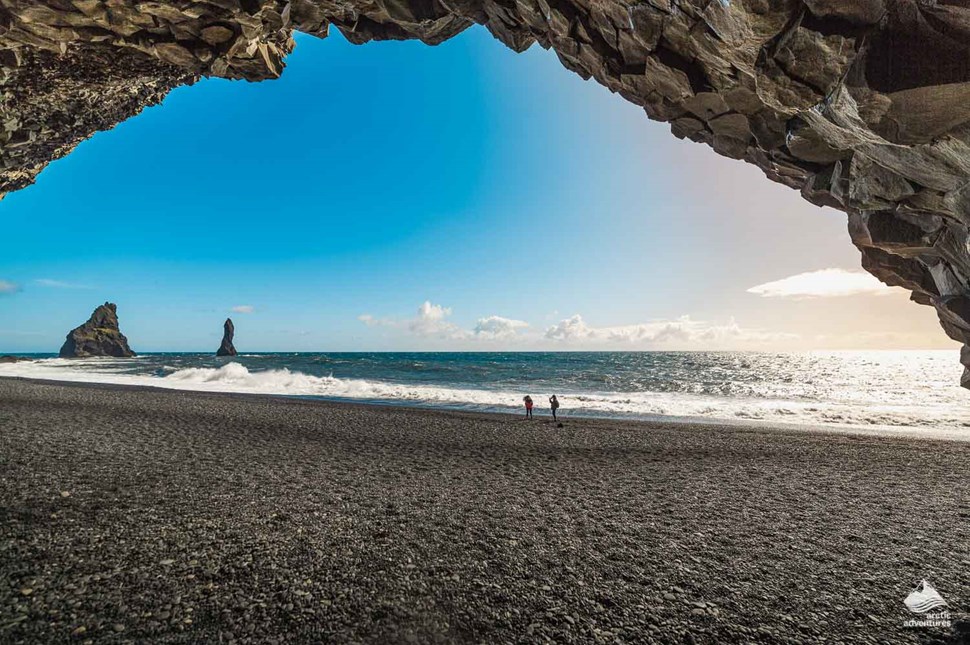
883, 416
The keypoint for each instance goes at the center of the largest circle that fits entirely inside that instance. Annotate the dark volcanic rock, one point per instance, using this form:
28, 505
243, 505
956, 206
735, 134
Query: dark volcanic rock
12, 359
862, 105
190, 517
99, 336
226, 348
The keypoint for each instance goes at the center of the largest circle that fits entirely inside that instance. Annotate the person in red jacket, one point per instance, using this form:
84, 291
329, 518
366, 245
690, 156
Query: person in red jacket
528, 406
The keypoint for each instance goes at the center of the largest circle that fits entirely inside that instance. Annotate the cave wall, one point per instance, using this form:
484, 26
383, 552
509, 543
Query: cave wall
862, 105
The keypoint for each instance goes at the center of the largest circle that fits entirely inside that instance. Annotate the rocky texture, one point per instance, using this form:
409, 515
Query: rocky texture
862, 105
99, 336
227, 348
132, 516
6, 358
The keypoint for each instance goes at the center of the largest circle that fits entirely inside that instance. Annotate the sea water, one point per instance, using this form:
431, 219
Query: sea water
917, 391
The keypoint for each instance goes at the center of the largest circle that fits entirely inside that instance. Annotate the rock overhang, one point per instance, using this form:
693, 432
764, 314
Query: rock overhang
861, 105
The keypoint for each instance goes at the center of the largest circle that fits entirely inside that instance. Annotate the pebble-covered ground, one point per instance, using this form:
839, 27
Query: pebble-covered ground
133, 515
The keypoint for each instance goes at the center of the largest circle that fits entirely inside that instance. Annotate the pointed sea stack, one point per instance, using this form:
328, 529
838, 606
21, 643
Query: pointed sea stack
227, 349
99, 336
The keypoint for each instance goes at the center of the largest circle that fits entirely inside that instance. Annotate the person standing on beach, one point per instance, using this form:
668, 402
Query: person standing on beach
528, 406
554, 404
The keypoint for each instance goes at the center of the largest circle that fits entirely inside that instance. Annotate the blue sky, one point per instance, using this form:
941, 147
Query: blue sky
398, 196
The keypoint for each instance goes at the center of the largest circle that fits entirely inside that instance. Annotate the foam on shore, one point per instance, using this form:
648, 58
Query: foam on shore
237, 378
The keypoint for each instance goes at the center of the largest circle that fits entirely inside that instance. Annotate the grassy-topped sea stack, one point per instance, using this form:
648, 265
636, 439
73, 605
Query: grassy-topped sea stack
99, 336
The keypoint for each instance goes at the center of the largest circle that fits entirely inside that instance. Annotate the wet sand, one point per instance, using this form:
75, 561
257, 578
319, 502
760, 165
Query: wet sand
166, 516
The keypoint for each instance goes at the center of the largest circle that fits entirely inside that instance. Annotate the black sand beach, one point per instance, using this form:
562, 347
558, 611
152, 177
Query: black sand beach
140, 515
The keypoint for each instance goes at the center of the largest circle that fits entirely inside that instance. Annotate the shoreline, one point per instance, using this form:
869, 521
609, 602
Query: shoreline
923, 434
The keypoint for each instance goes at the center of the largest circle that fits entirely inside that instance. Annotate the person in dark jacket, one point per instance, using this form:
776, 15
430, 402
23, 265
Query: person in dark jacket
554, 404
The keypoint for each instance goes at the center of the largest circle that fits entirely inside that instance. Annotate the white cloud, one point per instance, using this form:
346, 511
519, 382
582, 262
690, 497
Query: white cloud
682, 333
569, 329
498, 328
243, 309
824, 283
8, 287
59, 284
432, 321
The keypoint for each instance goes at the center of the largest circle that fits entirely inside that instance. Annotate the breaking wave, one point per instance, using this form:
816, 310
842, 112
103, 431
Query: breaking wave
734, 400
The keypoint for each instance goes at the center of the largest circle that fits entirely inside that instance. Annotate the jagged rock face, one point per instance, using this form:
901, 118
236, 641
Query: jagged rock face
862, 105
99, 336
228, 331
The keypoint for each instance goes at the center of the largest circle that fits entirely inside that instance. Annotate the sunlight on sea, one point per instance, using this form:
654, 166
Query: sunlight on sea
896, 390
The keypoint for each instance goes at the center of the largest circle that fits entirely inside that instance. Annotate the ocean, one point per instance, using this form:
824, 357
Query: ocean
914, 391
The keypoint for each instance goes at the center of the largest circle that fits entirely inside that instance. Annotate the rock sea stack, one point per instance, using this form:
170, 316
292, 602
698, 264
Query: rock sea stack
861, 105
99, 336
227, 348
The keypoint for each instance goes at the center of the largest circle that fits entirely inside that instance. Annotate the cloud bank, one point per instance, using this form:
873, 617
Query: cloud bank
824, 283
432, 321
243, 309
7, 288
682, 333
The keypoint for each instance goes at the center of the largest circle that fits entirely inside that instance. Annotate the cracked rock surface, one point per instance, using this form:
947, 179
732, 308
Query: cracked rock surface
862, 105
99, 336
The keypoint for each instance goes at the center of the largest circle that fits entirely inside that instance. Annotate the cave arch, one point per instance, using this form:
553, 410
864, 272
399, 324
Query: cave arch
862, 105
